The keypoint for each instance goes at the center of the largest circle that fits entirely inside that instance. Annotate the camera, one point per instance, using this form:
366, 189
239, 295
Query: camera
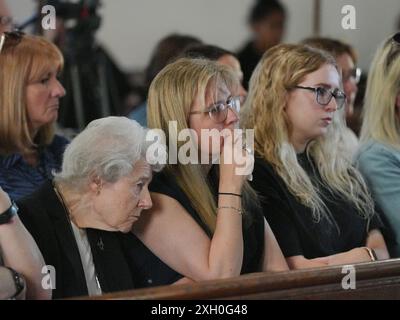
82, 12
74, 10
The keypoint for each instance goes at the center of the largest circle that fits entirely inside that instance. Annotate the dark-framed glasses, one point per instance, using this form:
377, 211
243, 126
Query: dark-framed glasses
218, 111
9, 39
324, 96
354, 74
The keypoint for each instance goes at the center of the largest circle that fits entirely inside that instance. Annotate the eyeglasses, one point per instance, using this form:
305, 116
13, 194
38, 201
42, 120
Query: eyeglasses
13, 38
218, 112
324, 95
354, 73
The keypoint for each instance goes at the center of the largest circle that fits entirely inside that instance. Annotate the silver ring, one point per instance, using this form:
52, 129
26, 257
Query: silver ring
248, 150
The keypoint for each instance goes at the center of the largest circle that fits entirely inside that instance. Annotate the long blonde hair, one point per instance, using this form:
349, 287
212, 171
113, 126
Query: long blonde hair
171, 95
21, 64
281, 69
383, 86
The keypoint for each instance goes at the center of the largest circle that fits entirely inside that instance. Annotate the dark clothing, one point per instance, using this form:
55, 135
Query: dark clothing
155, 272
20, 179
293, 224
248, 58
94, 83
45, 218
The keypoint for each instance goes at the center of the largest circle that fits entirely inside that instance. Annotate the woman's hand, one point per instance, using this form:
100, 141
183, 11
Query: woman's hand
236, 163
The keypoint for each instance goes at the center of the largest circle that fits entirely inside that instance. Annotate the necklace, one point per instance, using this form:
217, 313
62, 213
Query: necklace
62, 200
68, 214
64, 204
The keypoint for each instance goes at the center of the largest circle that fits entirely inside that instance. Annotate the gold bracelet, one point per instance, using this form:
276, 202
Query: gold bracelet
371, 253
233, 208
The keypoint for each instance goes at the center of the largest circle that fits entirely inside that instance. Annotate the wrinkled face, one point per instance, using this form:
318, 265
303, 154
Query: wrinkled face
308, 118
269, 31
42, 99
214, 94
121, 203
234, 64
346, 65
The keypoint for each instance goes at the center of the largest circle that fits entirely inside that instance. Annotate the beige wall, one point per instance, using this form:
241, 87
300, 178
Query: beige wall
132, 27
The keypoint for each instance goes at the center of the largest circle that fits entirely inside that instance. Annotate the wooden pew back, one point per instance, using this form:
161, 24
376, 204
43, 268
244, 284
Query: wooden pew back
374, 280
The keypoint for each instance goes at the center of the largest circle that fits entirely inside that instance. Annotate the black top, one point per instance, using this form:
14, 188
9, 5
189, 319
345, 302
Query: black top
153, 271
292, 223
248, 58
45, 218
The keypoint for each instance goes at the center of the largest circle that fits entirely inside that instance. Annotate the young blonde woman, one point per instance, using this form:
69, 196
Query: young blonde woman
205, 223
379, 155
346, 59
315, 201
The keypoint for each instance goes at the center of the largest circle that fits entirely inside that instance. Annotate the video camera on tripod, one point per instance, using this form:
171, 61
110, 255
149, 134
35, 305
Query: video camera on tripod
90, 77
83, 13
85, 75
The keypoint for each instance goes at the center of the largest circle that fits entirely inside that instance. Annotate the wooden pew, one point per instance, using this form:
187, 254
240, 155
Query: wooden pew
374, 280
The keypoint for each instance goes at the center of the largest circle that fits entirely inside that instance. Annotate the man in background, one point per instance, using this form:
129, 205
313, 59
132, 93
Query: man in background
267, 23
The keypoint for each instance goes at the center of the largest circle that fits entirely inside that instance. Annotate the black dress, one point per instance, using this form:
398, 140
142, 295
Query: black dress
45, 218
152, 271
296, 230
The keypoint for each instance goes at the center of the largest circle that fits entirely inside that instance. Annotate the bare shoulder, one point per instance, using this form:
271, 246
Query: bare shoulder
166, 220
171, 233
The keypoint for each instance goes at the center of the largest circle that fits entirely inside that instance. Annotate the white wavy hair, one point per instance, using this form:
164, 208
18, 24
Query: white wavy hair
107, 148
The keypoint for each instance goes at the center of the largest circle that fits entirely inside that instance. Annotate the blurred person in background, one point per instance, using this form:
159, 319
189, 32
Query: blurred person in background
167, 49
267, 23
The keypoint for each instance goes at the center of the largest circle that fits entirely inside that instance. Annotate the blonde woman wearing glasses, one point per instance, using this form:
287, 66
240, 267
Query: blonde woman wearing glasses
315, 201
379, 155
30, 96
346, 60
205, 223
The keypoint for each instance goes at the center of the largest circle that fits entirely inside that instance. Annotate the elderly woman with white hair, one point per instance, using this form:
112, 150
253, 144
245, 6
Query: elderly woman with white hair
82, 220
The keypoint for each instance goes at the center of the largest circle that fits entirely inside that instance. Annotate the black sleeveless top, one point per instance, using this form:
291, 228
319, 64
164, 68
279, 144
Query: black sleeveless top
151, 271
